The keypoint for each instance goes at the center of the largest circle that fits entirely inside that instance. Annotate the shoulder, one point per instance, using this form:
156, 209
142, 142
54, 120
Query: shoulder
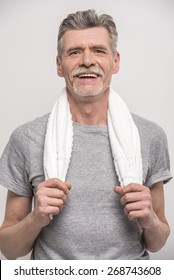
35, 126
149, 130
29, 133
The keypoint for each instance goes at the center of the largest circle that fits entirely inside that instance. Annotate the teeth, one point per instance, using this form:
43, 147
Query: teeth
88, 75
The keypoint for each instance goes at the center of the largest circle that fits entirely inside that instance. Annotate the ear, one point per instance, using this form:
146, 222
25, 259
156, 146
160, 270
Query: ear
59, 66
116, 63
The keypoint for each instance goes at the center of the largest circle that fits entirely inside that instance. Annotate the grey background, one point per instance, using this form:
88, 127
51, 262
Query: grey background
29, 84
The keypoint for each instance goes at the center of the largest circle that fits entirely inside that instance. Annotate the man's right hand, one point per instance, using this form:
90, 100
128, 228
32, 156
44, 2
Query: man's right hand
50, 197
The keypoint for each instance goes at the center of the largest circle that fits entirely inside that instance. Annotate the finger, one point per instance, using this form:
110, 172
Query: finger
132, 188
129, 198
118, 190
56, 209
55, 202
54, 193
65, 187
55, 183
140, 215
45, 211
134, 206
136, 196
53, 210
69, 186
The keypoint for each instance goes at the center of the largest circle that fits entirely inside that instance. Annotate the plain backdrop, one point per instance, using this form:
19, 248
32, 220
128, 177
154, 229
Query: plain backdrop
29, 84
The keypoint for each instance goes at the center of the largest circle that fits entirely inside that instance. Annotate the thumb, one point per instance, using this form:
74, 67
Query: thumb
68, 185
118, 190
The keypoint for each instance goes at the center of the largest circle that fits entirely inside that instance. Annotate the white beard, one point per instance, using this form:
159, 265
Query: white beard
88, 91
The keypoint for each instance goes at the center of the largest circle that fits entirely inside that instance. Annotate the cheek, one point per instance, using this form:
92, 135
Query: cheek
67, 75
107, 66
67, 70
108, 73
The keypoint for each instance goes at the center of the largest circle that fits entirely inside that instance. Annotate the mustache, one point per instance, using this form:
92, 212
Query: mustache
90, 70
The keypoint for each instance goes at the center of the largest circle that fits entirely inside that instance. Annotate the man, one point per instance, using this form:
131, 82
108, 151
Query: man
89, 212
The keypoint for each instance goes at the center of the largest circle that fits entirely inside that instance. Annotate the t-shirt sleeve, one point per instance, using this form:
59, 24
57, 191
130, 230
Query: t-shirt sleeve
14, 164
159, 161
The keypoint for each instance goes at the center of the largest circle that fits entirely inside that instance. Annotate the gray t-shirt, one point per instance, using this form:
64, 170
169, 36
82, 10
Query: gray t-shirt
92, 224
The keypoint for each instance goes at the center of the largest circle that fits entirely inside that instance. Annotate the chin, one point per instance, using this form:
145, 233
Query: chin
88, 93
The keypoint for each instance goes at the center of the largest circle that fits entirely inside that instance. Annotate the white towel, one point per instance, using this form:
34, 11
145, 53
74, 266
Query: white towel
123, 133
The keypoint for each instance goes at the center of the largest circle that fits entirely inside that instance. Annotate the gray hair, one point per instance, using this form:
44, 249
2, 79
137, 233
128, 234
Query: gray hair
88, 19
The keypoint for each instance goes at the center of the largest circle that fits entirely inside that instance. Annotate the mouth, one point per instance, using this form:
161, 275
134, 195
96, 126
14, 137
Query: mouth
87, 75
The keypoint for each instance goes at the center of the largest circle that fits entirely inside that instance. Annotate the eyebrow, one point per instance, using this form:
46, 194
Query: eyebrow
102, 47
74, 48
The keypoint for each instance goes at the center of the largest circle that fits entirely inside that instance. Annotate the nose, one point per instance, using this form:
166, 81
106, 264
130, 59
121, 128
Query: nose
87, 59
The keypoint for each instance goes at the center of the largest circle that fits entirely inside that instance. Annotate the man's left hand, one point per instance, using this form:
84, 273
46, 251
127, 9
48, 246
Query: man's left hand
137, 203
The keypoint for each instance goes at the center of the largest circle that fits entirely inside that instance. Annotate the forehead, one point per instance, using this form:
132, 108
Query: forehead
89, 36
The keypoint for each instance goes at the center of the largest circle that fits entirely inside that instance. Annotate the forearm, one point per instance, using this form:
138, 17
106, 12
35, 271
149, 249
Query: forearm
17, 240
155, 236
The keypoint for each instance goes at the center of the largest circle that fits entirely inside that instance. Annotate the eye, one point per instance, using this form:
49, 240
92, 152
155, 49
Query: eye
99, 51
74, 52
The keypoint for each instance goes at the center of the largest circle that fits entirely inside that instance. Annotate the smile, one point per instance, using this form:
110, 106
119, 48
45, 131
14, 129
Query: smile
88, 76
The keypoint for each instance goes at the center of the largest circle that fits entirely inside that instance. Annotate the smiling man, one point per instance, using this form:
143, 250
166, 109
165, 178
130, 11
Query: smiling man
87, 61
95, 171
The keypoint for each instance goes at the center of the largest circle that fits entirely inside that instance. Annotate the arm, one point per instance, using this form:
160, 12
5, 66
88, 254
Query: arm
21, 226
17, 233
156, 235
147, 206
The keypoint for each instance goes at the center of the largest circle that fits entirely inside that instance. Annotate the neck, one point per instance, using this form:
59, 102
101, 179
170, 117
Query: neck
89, 111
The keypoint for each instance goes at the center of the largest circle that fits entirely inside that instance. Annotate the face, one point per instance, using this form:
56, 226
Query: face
87, 61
